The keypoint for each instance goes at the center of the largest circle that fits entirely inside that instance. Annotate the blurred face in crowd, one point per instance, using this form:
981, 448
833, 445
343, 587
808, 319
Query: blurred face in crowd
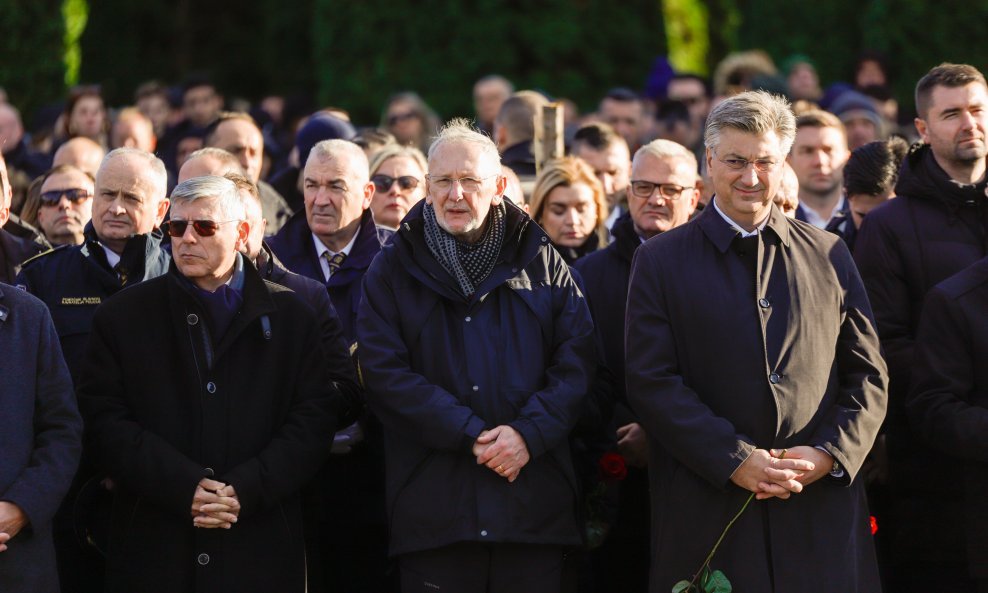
207, 261
803, 82
129, 201
746, 172
570, 214
88, 117
255, 222
82, 153
860, 131
157, 109
691, 93
870, 73
11, 129
404, 122
185, 147
787, 198
463, 183
662, 195
861, 204
201, 104
818, 157
66, 206
625, 117
133, 132
487, 99
955, 123
612, 165
242, 139
206, 165
398, 185
337, 191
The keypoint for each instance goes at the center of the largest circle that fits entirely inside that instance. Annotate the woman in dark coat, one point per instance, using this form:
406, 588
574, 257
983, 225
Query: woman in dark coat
568, 203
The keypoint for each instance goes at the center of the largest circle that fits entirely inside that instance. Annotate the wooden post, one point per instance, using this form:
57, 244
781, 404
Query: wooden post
549, 136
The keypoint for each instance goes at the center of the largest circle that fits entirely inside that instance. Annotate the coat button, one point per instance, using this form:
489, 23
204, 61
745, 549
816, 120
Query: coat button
211, 387
774, 378
545, 239
192, 319
476, 387
209, 472
483, 533
203, 559
763, 303
468, 319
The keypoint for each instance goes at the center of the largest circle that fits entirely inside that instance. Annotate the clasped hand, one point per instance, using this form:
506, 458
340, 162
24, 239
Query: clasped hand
215, 505
502, 450
770, 474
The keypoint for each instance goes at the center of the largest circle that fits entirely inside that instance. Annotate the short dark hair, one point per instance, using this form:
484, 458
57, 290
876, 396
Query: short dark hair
707, 88
194, 81
596, 136
151, 88
873, 168
207, 138
948, 75
818, 118
623, 95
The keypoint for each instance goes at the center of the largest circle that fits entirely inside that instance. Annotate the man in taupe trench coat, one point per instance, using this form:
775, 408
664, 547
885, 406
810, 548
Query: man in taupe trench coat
754, 365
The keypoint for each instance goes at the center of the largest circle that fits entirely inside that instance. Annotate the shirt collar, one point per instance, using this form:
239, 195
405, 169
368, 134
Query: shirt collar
112, 257
735, 226
819, 222
321, 247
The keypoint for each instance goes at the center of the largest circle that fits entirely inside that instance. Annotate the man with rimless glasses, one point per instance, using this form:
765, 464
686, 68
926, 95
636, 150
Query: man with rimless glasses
210, 446
66, 205
753, 362
475, 345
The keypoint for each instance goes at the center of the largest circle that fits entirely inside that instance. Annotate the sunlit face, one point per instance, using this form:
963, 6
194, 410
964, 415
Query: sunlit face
133, 132
206, 261
64, 221
570, 215
255, 222
391, 205
611, 165
656, 213
87, 117
745, 195
128, 201
336, 194
818, 157
955, 123
462, 213
487, 99
860, 131
803, 82
243, 140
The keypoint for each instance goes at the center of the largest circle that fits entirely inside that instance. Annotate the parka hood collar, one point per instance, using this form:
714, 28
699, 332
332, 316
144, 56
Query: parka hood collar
922, 177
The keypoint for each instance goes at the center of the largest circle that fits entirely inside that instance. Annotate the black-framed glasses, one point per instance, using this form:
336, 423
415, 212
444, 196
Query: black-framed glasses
383, 183
203, 228
645, 189
739, 164
75, 195
469, 184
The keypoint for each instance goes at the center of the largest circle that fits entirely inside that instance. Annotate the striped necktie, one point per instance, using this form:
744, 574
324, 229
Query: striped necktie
334, 261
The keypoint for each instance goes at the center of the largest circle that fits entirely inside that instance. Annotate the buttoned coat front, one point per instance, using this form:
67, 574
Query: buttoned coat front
734, 345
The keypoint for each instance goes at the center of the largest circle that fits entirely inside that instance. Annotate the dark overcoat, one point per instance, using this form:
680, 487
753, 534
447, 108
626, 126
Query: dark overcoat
737, 344
948, 403
40, 437
254, 409
440, 368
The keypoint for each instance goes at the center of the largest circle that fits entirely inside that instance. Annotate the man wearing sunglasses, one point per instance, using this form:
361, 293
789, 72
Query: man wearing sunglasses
209, 446
66, 205
121, 247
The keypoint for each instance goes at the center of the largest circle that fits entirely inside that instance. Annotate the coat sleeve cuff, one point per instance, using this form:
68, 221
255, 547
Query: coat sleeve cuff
533, 438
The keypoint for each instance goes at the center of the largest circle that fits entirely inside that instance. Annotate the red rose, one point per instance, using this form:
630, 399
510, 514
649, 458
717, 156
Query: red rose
874, 525
612, 467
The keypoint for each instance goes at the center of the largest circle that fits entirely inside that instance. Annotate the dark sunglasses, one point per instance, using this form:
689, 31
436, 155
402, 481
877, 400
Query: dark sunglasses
383, 183
399, 117
203, 228
53, 197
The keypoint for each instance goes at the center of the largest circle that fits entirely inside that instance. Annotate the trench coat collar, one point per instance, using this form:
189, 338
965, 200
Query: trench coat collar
721, 234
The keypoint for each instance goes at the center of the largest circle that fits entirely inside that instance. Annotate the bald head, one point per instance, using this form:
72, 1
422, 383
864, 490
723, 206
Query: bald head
81, 153
209, 161
11, 127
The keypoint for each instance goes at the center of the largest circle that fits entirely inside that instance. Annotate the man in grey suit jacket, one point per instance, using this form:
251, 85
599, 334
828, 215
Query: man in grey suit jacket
40, 441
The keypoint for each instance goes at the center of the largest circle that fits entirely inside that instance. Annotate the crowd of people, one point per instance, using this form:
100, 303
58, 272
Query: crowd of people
734, 330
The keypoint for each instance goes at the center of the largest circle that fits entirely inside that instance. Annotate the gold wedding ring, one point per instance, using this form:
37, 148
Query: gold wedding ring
500, 469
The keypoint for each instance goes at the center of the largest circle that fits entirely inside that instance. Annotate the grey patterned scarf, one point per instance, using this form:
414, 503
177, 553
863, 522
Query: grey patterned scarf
468, 264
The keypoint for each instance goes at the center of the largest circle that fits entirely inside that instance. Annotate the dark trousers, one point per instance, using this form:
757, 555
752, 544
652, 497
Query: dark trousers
470, 567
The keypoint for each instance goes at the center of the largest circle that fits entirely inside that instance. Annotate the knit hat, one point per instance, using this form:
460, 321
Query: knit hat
852, 104
321, 127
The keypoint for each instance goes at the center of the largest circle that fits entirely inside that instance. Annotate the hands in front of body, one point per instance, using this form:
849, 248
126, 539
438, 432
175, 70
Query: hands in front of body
633, 444
12, 520
503, 450
214, 505
768, 474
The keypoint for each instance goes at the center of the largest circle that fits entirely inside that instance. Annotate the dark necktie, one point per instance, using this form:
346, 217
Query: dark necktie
121, 273
334, 261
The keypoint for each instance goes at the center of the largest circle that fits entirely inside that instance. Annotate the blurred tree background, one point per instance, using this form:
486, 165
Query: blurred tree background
354, 54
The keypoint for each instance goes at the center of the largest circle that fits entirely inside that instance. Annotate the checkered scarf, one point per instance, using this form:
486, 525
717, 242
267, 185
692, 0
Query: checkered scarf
468, 264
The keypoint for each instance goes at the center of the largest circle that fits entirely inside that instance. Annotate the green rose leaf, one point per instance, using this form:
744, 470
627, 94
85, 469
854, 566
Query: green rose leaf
718, 583
681, 586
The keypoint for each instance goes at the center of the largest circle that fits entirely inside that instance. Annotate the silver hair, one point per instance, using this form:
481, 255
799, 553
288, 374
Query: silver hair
753, 112
460, 130
155, 168
331, 149
224, 191
666, 149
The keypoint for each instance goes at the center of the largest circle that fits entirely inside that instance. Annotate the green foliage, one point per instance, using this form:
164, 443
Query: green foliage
365, 51
75, 14
687, 28
31, 43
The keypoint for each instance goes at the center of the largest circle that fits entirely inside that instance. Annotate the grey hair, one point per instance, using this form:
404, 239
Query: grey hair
331, 149
666, 149
753, 112
461, 130
394, 151
230, 202
155, 167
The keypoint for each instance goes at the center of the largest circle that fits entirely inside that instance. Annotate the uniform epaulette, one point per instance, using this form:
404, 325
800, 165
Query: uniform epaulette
44, 254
